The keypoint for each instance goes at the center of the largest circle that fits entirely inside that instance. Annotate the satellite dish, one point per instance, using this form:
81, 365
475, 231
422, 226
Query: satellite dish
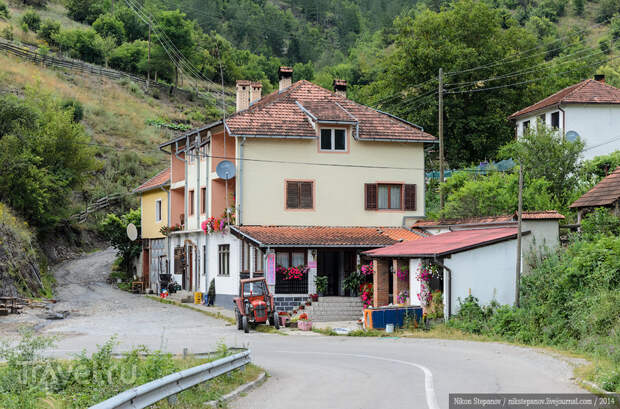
132, 232
572, 136
225, 169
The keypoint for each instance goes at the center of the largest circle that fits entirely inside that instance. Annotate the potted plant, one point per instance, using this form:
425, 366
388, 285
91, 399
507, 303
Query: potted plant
308, 303
301, 306
314, 297
352, 283
321, 284
304, 323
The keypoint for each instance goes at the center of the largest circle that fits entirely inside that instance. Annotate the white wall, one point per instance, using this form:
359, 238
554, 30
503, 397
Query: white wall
223, 284
534, 118
488, 271
544, 235
597, 124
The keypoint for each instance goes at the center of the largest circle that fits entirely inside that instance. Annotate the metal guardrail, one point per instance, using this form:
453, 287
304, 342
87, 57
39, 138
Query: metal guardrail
152, 392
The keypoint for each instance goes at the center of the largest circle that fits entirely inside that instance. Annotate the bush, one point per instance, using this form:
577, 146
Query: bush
7, 32
32, 20
35, 3
85, 45
107, 25
76, 107
4, 11
129, 57
600, 222
49, 31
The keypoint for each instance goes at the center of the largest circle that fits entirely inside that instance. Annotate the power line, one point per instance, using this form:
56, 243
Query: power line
514, 58
529, 81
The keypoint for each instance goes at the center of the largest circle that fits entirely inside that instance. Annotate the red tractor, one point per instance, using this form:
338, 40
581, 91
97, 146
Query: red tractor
255, 305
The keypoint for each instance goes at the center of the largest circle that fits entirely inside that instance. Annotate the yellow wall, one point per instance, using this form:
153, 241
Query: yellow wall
150, 228
339, 191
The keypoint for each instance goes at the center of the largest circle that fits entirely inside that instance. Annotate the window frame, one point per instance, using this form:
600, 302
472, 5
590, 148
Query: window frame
389, 199
245, 257
203, 200
191, 202
158, 211
542, 118
259, 261
557, 115
298, 183
223, 254
333, 140
290, 255
525, 126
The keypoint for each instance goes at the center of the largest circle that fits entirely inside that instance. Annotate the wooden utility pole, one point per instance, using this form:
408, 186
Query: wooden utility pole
148, 71
519, 236
441, 158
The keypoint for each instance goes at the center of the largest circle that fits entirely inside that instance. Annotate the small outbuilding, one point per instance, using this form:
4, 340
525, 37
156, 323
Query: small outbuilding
479, 262
606, 193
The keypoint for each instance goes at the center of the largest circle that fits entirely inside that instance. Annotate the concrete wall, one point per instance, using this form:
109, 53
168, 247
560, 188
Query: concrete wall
544, 235
535, 119
339, 191
489, 272
414, 283
150, 227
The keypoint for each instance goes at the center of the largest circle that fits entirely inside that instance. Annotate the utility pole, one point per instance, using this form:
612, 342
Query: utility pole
519, 236
441, 159
148, 71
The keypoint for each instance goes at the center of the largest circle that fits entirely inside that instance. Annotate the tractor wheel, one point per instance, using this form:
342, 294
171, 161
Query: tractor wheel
239, 323
246, 324
276, 320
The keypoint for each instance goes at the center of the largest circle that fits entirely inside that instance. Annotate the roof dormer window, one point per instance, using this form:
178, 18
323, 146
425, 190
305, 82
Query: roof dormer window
334, 140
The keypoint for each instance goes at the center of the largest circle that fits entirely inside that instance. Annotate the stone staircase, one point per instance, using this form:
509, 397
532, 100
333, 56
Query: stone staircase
335, 309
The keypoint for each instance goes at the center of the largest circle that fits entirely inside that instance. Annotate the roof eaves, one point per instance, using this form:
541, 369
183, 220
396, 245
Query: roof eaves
398, 140
189, 133
397, 118
138, 190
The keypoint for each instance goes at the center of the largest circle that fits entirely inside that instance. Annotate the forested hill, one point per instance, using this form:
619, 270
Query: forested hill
498, 55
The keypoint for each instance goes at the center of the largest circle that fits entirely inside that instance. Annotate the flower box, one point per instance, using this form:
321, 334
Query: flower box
304, 325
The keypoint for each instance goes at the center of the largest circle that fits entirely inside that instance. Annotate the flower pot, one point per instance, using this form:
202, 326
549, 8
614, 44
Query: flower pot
304, 325
301, 307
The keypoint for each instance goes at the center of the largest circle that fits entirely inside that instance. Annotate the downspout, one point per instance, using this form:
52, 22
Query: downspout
239, 222
176, 153
449, 283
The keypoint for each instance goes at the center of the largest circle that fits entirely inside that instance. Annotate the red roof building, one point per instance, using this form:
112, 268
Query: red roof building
606, 193
161, 179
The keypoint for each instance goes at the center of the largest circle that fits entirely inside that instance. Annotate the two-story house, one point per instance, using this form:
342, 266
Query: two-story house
317, 179
154, 194
589, 110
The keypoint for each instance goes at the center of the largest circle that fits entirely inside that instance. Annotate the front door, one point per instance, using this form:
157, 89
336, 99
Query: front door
329, 265
189, 265
146, 270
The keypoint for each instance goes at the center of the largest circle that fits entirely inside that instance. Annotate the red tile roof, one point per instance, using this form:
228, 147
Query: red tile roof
446, 243
279, 114
606, 192
324, 236
157, 181
537, 215
585, 92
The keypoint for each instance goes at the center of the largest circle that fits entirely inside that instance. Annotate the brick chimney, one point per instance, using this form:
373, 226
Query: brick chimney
256, 90
599, 78
243, 95
340, 88
285, 74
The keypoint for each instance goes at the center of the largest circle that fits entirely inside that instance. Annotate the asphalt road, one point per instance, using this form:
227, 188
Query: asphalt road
306, 370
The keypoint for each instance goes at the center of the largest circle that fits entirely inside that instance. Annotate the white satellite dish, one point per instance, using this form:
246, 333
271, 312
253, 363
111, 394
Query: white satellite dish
132, 231
571, 136
225, 169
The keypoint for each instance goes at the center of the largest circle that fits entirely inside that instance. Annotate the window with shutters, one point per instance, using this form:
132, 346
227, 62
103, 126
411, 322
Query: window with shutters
299, 194
333, 140
394, 196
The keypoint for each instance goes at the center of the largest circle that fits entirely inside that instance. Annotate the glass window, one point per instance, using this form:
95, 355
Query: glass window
245, 256
282, 259
224, 259
191, 202
340, 140
526, 126
333, 140
389, 197
394, 197
158, 210
298, 258
256, 288
326, 139
382, 196
258, 257
555, 119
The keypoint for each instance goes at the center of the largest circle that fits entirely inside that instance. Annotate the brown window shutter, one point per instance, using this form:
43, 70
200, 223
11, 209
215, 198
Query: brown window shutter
292, 195
305, 195
370, 196
410, 199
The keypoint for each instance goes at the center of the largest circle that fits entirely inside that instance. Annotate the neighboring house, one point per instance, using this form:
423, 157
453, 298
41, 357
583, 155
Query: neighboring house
154, 197
606, 193
473, 256
589, 110
317, 180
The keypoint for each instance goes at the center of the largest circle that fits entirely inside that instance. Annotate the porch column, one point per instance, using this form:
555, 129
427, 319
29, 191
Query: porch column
398, 284
414, 284
380, 282
312, 267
